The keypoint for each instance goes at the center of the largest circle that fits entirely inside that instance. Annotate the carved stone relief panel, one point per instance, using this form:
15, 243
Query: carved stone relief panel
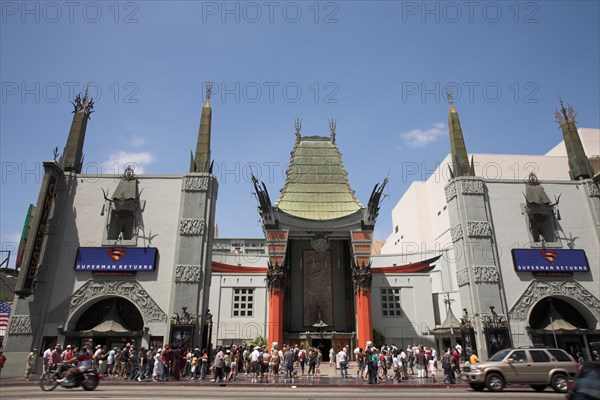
188, 274
450, 191
195, 183
456, 232
486, 274
317, 287
132, 291
191, 227
538, 290
472, 186
21, 325
462, 277
479, 229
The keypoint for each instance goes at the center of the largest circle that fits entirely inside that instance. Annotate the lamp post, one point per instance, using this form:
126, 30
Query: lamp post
209, 323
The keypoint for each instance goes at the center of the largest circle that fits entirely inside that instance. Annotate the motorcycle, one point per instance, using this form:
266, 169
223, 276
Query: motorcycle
87, 379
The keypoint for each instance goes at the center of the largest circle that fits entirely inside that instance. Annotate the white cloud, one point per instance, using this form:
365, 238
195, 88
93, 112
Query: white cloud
137, 141
418, 138
119, 160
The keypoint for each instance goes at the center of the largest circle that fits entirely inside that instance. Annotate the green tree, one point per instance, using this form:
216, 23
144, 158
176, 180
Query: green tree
378, 338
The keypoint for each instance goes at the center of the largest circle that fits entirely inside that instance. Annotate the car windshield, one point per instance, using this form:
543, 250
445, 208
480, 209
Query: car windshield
499, 356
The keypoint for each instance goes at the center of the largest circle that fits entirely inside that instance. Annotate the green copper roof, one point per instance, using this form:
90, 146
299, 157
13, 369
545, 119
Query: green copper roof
316, 186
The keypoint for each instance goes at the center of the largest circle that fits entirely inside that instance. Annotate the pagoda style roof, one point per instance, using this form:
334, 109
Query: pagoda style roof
316, 186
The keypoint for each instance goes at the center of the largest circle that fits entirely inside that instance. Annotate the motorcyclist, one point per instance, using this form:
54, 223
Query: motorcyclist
84, 362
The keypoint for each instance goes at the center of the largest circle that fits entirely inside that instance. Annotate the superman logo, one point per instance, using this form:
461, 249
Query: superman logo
116, 254
549, 255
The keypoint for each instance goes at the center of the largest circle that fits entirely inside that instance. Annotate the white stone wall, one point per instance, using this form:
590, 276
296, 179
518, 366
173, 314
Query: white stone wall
226, 327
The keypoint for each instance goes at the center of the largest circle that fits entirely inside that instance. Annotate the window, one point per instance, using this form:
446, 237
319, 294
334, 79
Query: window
390, 302
560, 355
539, 356
519, 356
243, 302
396, 228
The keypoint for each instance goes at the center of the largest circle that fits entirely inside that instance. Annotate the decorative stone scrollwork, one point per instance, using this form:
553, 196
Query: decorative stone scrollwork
188, 274
462, 277
456, 232
195, 183
21, 325
362, 276
472, 186
486, 274
130, 290
479, 229
191, 226
450, 191
275, 277
538, 290
593, 189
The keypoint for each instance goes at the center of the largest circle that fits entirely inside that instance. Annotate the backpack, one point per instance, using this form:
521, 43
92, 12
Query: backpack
275, 359
302, 355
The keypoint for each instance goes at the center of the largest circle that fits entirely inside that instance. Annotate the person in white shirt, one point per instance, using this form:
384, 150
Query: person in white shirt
342, 359
47, 357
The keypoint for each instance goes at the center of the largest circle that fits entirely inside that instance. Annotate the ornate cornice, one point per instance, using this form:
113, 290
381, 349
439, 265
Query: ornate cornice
538, 290
188, 274
479, 229
195, 183
191, 227
456, 232
130, 290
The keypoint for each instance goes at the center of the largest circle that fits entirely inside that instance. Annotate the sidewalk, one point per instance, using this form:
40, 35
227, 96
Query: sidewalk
329, 377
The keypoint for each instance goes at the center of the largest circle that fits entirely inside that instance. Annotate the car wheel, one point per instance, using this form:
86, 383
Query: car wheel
559, 383
539, 388
494, 382
478, 387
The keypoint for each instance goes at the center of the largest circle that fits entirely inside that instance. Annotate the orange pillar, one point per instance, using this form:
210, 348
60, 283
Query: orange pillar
363, 317
275, 321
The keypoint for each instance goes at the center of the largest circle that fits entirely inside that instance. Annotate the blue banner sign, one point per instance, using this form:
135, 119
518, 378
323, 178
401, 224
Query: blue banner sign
550, 260
116, 259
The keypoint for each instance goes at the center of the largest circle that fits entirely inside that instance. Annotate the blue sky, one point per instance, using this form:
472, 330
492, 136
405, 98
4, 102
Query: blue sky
378, 68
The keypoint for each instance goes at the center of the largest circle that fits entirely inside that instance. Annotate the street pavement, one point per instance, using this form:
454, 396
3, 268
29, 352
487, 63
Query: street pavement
329, 376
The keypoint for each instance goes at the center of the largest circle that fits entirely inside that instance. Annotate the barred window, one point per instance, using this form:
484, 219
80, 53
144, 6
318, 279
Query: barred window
390, 302
243, 302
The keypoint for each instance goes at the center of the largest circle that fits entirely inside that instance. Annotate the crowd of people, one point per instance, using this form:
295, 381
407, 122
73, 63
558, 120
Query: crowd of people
258, 363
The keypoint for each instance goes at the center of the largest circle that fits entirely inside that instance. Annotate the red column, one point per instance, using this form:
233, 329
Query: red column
363, 317
275, 321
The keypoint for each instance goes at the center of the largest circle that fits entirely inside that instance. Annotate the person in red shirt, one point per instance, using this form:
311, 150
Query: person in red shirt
2, 361
55, 356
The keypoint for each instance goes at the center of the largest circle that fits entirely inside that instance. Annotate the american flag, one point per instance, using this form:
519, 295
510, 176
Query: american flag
5, 307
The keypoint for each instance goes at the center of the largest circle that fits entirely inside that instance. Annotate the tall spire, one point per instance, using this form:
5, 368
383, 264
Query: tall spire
579, 165
332, 126
460, 159
72, 157
298, 126
202, 162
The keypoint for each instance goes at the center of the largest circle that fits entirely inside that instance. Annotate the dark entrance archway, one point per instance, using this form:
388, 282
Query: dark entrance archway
557, 323
112, 322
